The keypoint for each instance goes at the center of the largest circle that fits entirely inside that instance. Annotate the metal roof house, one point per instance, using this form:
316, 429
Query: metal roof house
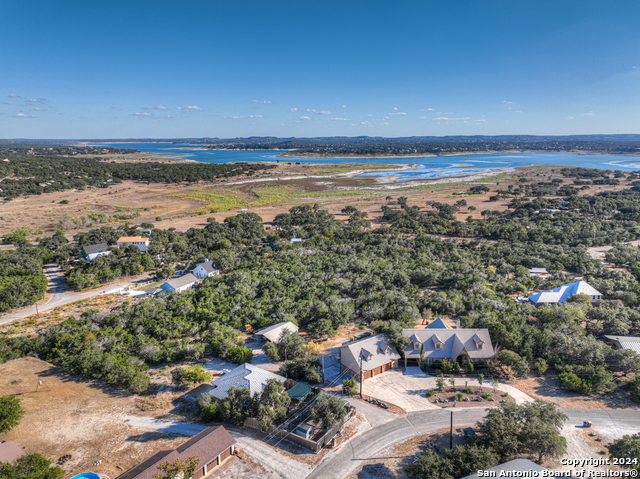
245, 376
10, 452
438, 324
562, 293
273, 332
463, 345
212, 446
626, 342
540, 272
507, 469
376, 354
180, 284
205, 270
92, 251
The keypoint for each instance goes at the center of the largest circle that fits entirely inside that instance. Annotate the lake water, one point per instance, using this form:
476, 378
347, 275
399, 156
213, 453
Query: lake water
428, 167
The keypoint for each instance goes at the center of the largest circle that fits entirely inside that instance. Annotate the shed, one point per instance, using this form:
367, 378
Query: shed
300, 391
305, 430
272, 333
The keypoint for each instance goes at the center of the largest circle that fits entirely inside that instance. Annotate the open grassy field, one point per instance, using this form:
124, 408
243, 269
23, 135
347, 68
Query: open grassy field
267, 193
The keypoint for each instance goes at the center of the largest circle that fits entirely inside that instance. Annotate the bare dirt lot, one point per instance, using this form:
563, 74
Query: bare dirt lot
82, 418
548, 389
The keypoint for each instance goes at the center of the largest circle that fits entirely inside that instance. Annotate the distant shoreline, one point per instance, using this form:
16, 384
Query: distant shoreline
288, 154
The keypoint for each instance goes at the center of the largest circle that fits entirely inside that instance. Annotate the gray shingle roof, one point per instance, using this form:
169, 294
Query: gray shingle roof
521, 464
454, 341
208, 266
251, 377
95, 248
376, 350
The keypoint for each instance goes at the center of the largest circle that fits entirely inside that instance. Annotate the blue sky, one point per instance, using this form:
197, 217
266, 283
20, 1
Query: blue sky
134, 69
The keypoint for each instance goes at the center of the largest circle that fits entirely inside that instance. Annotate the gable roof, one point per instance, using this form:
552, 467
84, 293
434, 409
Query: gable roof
273, 332
95, 248
181, 281
244, 376
437, 324
538, 270
562, 293
132, 239
454, 341
10, 452
208, 266
207, 445
626, 342
521, 464
376, 350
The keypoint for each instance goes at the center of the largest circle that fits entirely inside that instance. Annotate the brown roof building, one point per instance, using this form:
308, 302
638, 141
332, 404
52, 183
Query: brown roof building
10, 452
212, 446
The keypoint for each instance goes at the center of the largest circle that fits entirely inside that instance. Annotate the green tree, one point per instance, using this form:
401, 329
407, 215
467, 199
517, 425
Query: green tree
307, 369
11, 413
350, 387
513, 360
209, 413
178, 469
441, 382
480, 378
539, 438
32, 466
327, 410
627, 447
540, 367
271, 406
237, 406
190, 376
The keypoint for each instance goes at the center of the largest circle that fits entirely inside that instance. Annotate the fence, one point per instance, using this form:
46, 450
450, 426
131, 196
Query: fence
310, 444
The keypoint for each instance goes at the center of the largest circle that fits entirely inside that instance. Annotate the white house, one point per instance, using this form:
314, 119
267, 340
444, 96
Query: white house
141, 242
272, 333
463, 345
92, 251
180, 284
246, 376
205, 270
562, 293
540, 272
626, 342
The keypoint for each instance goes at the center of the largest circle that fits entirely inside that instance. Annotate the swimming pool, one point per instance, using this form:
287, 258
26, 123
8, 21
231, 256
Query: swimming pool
86, 475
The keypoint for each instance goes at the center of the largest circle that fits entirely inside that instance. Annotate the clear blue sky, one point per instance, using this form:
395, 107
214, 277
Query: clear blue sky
133, 69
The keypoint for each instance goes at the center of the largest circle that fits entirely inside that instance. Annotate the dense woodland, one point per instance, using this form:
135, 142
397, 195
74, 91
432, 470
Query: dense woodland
35, 175
385, 278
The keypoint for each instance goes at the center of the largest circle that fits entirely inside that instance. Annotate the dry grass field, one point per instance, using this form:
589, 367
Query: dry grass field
79, 417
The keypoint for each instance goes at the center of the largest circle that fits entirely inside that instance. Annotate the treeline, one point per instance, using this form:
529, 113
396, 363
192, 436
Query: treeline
23, 175
58, 149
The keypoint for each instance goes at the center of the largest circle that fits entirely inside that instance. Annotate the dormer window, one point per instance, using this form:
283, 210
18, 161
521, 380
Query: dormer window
438, 345
417, 346
480, 345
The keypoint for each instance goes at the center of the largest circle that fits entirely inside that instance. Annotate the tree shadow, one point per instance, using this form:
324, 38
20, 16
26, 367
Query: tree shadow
378, 470
67, 377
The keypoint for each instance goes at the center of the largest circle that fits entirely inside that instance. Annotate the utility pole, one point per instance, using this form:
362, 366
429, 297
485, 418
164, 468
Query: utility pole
322, 369
451, 433
361, 378
286, 370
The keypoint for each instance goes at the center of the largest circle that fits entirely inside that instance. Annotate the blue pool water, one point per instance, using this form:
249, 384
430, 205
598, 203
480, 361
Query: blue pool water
86, 475
427, 167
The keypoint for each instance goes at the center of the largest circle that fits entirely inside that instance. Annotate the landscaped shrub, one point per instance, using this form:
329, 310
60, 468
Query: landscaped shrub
430, 394
459, 396
470, 367
350, 387
209, 413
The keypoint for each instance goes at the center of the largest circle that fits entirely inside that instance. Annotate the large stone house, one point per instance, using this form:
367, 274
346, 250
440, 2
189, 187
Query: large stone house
376, 354
456, 345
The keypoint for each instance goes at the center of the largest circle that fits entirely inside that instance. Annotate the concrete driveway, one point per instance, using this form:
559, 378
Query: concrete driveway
407, 389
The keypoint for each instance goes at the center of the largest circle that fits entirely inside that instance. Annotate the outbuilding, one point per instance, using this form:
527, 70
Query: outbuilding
92, 251
376, 354
180, 284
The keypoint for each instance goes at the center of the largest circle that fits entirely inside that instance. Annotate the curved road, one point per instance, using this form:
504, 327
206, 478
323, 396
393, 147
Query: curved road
58, 288
368, 445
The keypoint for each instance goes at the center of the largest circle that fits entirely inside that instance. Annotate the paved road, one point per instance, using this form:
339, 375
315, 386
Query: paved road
369, 445
57, 287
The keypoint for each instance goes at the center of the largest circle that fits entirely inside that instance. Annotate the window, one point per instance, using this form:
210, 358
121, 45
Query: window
480, 345
416, 346
438, 345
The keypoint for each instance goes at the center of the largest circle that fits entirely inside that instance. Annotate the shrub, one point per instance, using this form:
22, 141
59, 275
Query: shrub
634, 390
514, 361
469, 391
456, 368
430, 394
10, 413
486, 395
240, 355
350, 387
459, 396
446, 365
204, 400
190, 376
470, 367
209, 413
540, 367
572, 382
64, 202
158, 218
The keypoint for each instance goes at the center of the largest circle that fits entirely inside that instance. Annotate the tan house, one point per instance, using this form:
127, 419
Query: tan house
375, 353
212, 446
456, 345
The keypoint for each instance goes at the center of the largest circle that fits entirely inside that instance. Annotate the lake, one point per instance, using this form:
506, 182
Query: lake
428, 167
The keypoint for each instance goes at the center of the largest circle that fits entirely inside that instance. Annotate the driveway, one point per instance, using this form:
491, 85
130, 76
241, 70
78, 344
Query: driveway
407, 389
57, 287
